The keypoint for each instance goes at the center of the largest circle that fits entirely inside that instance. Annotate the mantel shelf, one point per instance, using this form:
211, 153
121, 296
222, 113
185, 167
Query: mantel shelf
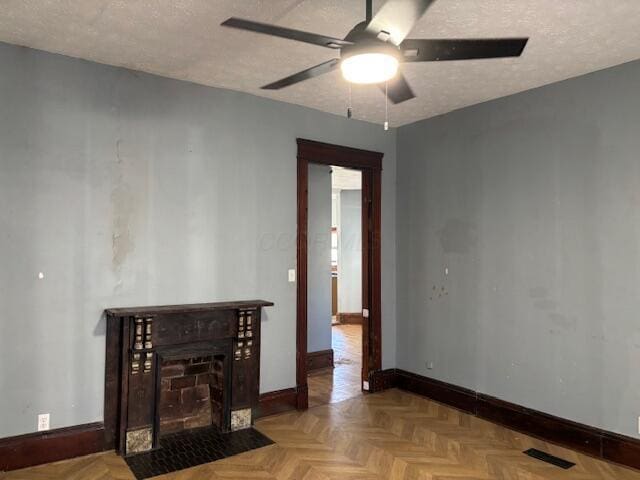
186, 308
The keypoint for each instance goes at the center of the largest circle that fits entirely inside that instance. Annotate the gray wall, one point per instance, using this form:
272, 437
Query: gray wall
533, 204
319, 259
125, 189
350, 252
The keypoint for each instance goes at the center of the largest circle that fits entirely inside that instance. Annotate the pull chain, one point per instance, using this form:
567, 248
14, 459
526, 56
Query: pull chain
386, 106
349, 111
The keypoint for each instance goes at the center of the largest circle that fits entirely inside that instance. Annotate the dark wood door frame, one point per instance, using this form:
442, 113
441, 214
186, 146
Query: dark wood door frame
370, 164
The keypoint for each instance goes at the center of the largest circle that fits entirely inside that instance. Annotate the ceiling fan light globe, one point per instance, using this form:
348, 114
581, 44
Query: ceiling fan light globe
368, 68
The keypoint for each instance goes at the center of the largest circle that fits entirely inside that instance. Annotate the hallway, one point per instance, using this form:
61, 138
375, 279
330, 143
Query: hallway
343, 381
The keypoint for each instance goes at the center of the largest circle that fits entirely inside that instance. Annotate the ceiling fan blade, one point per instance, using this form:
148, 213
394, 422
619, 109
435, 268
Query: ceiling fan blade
312, 72
283, 32
396, 18
461, 49
398, 89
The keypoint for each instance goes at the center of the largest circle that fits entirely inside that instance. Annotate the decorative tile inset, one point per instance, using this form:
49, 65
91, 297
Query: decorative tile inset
140, 440
240, 419
194, 447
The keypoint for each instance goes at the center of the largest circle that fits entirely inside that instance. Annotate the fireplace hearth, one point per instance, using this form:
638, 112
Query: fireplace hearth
193, 447
180, 368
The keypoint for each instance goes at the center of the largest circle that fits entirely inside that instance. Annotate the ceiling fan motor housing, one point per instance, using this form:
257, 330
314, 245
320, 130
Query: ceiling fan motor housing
365, 42
370, 45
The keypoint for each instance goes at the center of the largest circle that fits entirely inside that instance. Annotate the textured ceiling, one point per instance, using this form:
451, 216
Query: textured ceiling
182, 39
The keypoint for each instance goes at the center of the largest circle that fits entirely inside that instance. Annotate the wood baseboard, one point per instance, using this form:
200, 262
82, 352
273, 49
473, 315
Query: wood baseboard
61, 444
453, 395
320, 359
43, 447
348, 318
279, 401
380, 380
592, 441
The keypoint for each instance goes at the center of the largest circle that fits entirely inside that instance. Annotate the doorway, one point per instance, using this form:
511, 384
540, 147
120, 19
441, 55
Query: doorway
334, 284
357, 339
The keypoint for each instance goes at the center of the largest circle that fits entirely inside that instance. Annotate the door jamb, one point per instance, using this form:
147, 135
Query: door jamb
370, 164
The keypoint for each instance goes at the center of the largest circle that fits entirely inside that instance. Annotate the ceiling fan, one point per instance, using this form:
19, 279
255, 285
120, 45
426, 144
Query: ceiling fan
372, 51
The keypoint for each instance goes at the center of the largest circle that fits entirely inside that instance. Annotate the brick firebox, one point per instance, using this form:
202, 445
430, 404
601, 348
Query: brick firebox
191, 393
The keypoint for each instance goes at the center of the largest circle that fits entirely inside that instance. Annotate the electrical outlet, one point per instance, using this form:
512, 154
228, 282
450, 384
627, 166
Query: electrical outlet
429, 365
43, 422
292, 275
639, 425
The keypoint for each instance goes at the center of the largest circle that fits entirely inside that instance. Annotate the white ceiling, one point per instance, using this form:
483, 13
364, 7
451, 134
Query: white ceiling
182, 39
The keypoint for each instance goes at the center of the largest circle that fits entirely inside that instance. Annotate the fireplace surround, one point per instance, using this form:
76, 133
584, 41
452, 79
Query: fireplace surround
178, 367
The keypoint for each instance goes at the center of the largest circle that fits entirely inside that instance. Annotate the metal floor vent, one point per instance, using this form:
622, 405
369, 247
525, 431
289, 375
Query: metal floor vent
545, 457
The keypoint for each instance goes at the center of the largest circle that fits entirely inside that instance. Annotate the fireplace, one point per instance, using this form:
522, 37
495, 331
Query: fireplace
193, 391
173, 369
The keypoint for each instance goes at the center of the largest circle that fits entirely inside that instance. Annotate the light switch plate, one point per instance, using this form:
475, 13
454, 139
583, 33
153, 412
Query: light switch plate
292, 275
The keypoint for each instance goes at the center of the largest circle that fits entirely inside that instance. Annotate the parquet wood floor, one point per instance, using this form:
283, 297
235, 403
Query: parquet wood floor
343, 381
391, 435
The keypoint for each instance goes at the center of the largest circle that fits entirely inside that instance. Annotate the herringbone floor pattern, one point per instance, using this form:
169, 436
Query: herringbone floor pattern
391, 435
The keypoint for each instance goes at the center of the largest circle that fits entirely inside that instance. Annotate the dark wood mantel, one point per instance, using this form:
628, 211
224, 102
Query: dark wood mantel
139, 338
187, 308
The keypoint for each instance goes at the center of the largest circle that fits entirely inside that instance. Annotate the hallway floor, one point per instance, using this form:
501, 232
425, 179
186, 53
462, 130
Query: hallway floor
343, 381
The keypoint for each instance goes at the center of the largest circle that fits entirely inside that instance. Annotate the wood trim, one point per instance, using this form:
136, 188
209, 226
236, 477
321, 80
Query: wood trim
113, 372
63, 443
371, 271
319, 360
375, 274
589, 440
328, 154
334, 290
380, 380
458, 397
43, 447
349, 318
366, 272
301, 286
187, 308
370, 163
558, 430
279, 401
621, 449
